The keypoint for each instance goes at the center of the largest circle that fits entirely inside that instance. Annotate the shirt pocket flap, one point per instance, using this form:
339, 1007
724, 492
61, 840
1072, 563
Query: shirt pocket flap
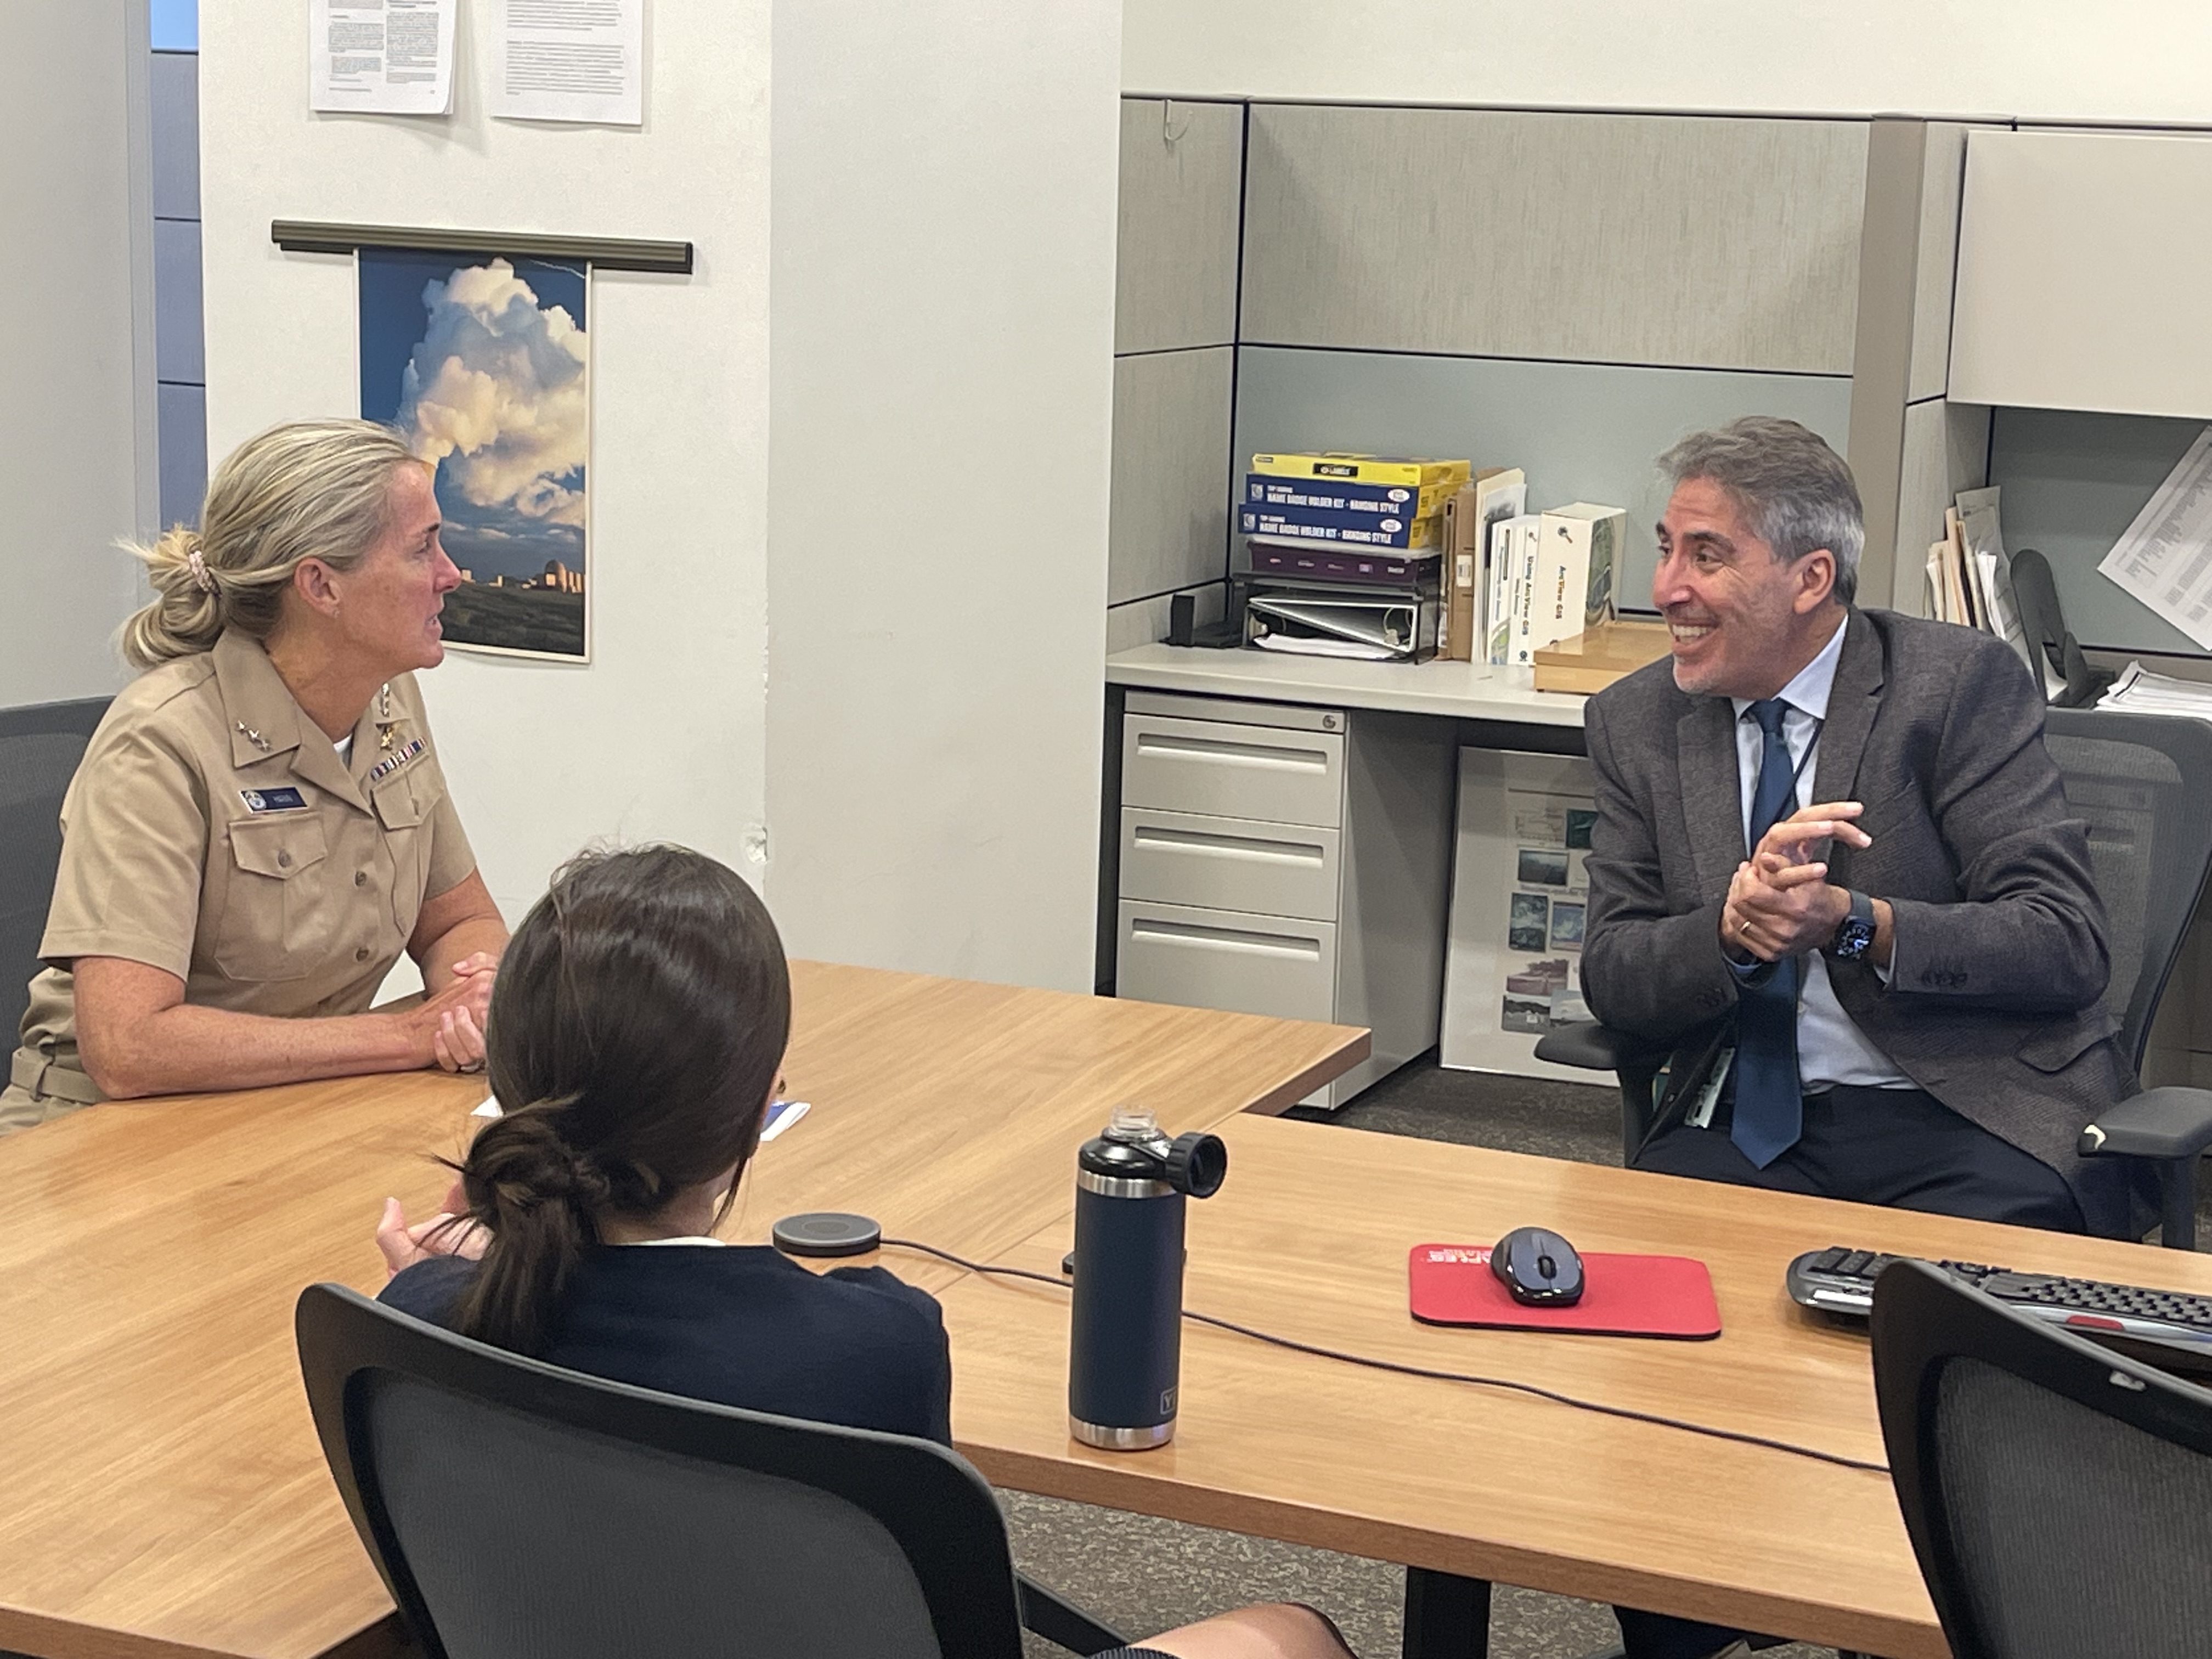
405, 801
277, 847
2054, 1050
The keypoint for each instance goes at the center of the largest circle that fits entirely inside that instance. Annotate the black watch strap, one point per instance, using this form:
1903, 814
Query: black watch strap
1855, 934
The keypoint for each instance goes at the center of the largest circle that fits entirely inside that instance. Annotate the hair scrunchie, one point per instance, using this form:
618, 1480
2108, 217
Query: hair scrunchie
201, 580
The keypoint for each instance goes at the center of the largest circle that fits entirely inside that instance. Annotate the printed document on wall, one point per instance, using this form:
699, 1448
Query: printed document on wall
570, 60
381, 56
2165, 557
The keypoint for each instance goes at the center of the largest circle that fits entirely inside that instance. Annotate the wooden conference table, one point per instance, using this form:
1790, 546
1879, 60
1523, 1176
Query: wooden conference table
163, 1495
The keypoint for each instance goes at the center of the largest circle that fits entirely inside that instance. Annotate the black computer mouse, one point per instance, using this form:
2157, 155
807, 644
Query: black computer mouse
1539, 1268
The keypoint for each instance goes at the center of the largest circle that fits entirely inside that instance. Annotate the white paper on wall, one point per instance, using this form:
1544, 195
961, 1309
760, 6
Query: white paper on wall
570, 60
2165, 557
381, 56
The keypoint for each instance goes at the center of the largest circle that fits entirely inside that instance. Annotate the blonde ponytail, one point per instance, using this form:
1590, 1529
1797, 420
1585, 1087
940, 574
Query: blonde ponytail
307, 490
186, 615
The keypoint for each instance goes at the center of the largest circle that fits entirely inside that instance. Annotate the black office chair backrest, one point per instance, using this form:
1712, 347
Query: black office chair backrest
2059, 1496
2144, 783
40, 748
518, 1510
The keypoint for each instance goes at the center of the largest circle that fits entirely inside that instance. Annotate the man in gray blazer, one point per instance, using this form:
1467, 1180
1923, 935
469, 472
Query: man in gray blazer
1833, 867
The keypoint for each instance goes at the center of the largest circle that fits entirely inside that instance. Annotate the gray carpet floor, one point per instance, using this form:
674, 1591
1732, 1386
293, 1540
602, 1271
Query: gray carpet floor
1141, 1575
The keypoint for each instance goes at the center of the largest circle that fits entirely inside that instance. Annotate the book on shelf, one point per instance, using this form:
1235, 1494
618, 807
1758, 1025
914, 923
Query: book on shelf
1516, 546
1493, 494
1500, 494
1362, 468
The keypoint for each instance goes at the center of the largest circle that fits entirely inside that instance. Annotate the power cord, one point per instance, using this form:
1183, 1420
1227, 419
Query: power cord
1402, 1369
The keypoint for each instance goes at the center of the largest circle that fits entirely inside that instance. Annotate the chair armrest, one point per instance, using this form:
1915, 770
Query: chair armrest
1596, 1048
1061, 1622
2158, 1123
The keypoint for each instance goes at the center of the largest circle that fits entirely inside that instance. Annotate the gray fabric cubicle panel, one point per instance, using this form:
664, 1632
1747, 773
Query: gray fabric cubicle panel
1581, 431
180, 351
2072, 482
184, 461
1182, 181
175, 96
1690, 241
1947, 447
1170, 523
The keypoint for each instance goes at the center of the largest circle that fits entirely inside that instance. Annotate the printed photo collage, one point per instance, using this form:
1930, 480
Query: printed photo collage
1546, 902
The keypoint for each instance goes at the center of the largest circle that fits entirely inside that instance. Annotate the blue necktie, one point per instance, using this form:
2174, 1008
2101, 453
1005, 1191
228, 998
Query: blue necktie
1770, 1108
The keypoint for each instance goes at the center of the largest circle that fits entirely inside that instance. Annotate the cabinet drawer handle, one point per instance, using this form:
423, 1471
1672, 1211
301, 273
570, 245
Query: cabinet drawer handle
1272, 755
1235, 846
1225, 938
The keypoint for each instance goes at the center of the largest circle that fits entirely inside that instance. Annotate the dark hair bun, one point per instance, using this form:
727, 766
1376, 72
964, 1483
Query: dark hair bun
521, 1161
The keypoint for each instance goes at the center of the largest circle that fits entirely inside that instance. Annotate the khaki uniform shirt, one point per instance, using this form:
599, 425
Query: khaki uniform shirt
212, 832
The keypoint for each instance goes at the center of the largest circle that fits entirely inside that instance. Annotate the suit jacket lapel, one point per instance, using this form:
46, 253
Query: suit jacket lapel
1854, 699
1712, 798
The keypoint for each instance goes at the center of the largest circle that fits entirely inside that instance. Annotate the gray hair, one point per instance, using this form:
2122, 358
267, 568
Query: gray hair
1795, 492
309, 489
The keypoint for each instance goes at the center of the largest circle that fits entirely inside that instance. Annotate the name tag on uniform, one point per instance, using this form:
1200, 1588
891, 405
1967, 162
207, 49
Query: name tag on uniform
391, 762
272, 800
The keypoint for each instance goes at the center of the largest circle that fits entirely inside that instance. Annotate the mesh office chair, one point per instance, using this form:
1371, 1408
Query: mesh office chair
517, 1510
40, 748
2059, 1496
2144, 784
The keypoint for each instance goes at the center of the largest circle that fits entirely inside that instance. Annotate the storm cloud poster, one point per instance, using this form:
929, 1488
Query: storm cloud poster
482, 362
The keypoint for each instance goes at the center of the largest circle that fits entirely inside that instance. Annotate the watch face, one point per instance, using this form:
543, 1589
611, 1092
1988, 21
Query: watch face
1852, 939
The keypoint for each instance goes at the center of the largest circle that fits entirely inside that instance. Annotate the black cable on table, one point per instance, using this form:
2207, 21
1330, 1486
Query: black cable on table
1434, 1375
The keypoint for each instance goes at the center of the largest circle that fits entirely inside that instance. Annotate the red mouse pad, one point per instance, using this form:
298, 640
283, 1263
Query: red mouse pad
1622, 1295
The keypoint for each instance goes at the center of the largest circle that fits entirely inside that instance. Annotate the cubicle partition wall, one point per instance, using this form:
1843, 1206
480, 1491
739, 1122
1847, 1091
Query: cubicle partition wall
1175, 360
1567, 292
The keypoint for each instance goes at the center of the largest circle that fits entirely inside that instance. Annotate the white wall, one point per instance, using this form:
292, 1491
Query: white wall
76, 397
892, 718
663, 733
2128, 60
944, 181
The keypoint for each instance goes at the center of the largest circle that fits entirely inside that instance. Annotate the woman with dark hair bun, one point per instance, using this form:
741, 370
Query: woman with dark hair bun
636, 1031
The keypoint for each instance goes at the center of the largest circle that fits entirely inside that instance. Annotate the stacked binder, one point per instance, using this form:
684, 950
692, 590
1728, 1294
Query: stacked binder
1346, 554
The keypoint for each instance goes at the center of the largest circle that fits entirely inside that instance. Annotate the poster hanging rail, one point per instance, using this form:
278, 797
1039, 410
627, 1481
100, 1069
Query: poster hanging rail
606, 253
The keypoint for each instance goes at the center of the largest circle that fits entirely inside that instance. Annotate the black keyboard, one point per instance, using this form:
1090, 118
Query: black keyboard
1838, 1280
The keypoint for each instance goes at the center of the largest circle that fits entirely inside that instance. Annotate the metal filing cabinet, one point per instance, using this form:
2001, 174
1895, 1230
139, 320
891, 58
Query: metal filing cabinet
1281, 860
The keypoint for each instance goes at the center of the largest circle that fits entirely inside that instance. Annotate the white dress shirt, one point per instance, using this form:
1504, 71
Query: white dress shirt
1831, 1048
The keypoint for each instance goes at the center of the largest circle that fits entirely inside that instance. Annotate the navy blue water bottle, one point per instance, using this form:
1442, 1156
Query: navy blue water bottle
1125, 1348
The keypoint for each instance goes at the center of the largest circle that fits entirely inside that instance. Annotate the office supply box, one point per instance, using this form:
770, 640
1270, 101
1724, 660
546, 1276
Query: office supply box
1350, 529
1363, 468
1346, 495
1582, 548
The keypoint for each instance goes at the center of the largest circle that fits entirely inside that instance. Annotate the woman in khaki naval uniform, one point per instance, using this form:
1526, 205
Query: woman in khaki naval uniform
259, 826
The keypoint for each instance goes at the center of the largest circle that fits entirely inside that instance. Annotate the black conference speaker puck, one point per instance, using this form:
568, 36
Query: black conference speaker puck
826, 1232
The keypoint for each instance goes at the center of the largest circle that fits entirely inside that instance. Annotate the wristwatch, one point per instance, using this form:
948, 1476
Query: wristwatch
1855, 934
